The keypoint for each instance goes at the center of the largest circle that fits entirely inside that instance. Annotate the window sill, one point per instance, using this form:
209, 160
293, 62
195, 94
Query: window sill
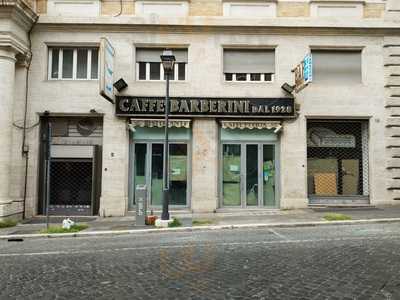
249, 82
162, 81
72, 80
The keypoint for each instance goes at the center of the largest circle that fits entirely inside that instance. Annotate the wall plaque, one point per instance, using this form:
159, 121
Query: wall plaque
132, 106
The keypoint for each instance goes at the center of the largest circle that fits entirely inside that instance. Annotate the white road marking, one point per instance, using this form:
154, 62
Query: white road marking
208, 244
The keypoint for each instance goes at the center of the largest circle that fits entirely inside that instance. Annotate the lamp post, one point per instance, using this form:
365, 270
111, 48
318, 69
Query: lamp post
168, 61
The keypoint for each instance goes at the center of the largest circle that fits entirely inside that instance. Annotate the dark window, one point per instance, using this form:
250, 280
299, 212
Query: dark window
68, 55
181, 71
155, 71
268, 77
228, 76
241, 77
54, 63
142, 71
95, 63
255, 77
81, 71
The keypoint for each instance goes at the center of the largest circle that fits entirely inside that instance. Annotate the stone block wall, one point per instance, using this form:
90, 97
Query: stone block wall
392, 104
114, 8
293, 9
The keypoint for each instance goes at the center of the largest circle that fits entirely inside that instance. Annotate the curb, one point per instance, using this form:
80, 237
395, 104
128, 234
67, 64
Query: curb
196, 228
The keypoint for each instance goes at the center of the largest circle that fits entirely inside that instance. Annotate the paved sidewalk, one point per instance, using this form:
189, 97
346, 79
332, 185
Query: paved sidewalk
222, 219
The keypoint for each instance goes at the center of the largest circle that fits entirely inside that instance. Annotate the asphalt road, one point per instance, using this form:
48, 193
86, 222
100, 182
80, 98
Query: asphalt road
329, 262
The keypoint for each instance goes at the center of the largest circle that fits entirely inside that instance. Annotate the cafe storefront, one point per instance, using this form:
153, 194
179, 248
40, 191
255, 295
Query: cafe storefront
248, 148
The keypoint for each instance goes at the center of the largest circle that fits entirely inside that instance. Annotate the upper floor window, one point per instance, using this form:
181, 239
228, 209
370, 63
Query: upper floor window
149, 67
249, 9
73, 63
249, 65
337, 66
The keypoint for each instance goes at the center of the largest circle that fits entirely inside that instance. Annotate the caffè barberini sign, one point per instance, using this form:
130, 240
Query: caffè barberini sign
131, 106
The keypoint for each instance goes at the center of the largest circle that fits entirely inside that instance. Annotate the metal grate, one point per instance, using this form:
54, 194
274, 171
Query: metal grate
71, 184
337, 158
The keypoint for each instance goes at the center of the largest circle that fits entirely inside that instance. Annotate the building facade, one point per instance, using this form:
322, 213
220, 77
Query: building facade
237, 139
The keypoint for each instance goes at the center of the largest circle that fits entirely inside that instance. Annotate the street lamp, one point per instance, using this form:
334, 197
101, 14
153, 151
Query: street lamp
168, 61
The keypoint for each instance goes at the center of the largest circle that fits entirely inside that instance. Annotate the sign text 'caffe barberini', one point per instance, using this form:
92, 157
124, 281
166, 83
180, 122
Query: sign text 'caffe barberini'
131, 106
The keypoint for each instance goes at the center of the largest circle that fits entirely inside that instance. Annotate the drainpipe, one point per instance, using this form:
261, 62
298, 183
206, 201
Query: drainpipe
25, 149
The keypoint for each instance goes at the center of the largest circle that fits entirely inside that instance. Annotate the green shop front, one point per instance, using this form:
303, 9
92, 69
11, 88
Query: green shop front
248, 148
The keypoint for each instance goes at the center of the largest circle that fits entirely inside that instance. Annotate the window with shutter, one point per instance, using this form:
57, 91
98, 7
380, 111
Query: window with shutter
249, 64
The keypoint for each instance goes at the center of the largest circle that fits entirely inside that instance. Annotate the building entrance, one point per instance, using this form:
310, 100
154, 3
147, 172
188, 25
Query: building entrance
146, 164
249, 172
148, 170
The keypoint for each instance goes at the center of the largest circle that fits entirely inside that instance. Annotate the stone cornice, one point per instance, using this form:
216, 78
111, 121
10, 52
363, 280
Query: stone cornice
283, 26
9, 40
19, 12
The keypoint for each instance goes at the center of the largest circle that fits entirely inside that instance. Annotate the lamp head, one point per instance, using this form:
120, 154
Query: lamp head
287, 88
168, 60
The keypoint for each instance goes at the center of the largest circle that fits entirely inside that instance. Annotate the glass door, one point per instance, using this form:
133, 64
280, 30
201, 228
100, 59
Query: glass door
248, 175
231, 175
148, 169
269, 176
252, 174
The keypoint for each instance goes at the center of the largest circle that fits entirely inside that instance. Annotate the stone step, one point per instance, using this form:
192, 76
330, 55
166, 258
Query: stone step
343, 207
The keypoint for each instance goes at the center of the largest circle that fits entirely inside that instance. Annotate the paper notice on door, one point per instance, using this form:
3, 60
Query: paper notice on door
175, 172
234, 168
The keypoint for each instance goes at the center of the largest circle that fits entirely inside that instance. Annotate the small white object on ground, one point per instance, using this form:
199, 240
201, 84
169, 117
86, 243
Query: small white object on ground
67, 223
163, 223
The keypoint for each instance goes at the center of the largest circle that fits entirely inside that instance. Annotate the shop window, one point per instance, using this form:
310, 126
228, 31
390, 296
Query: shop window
73, 63
337, 158
147, 162
149, 67
336, 67
249, 65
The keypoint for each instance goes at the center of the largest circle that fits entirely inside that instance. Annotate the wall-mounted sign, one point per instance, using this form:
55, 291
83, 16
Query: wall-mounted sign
303, 73
206, 107
106, 79
324, 137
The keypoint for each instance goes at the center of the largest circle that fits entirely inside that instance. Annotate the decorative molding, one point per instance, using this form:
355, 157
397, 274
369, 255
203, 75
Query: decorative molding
271, 26
12, 42
251, 125
19, 12
159, 123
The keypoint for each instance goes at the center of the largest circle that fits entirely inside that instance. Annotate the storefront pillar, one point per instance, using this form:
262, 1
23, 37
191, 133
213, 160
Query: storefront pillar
7, 78
205, 166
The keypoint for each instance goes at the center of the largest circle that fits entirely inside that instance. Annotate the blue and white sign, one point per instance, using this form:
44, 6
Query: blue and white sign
107, 55
308, 69
303, 73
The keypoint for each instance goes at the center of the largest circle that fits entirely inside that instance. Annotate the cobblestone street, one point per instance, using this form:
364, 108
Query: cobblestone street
328, 262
